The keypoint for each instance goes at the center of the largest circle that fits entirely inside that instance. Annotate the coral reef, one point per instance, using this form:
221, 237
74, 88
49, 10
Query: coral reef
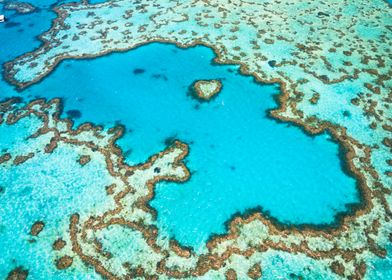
206, 89
321, 53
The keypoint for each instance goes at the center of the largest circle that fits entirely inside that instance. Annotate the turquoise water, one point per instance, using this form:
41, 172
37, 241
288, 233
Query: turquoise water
239, 157
25, 28
40, 190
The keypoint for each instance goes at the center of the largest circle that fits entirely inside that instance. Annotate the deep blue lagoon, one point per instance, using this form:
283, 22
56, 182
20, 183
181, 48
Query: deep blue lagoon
239, 157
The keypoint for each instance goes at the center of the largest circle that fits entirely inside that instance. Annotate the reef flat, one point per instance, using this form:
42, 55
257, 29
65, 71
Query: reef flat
20, 7
333, 62
48, 137
206, 89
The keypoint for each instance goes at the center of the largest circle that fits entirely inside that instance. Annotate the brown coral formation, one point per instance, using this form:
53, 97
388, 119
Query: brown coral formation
22, 159
206, 89
58, 244
255, 271
18, 273
231, 274
36, 228
84, 159
64, 262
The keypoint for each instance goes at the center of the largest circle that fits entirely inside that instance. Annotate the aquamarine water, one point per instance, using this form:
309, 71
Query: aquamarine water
40, 190
235, 148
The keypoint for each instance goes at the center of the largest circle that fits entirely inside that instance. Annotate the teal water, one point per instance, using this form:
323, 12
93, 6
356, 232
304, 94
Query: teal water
239, 157
40, 190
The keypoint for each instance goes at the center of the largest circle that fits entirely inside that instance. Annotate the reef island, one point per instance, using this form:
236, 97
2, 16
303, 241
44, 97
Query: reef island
206, 89
75, 203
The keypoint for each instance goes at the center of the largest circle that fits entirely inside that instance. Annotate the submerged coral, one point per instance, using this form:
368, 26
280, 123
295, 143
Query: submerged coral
321, 55
20, 7
129, 219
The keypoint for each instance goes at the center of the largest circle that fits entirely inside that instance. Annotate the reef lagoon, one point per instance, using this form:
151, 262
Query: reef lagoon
113, 165
240, 158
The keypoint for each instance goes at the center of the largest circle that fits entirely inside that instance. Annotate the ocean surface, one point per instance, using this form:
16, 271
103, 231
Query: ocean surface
240, 158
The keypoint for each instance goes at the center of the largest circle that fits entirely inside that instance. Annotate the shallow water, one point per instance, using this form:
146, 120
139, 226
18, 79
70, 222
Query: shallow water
48, 188
239, 157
